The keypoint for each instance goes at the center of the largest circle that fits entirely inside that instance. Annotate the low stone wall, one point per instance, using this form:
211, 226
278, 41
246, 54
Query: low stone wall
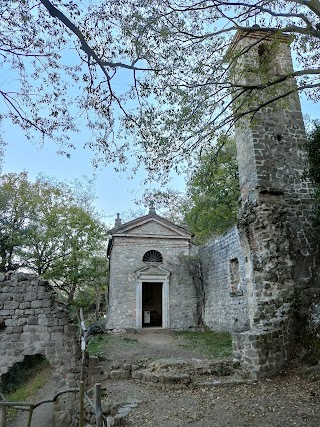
225, 294
32, 322
264, 351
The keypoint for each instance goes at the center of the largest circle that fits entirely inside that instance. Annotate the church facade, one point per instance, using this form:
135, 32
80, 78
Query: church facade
149, 283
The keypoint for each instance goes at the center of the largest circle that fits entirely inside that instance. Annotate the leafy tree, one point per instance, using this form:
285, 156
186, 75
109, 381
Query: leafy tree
213, 193
93, 292
63, 58
313, 147
30, 220
44, 230
69, 59
45, 213
82, 241
14, 207
193, 100
167, 203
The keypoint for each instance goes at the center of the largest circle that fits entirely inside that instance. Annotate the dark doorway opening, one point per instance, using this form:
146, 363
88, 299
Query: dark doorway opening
151, 304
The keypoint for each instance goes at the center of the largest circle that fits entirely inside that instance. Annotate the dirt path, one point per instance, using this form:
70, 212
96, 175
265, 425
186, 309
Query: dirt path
42, 415
287, 400
147, 345
283, 402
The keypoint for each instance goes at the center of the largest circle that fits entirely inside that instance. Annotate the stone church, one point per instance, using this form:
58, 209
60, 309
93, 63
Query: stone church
254, 276
260, 280
147, 287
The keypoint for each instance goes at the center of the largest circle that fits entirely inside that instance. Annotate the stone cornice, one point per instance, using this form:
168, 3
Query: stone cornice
151, 236
150, 218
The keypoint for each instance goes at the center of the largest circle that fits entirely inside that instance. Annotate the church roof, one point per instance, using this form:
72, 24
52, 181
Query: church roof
148, 226
150, 217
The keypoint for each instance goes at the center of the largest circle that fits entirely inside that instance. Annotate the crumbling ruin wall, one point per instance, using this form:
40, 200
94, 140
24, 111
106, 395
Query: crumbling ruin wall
268, 344
275, 222
223, 273
276, 246
32, 322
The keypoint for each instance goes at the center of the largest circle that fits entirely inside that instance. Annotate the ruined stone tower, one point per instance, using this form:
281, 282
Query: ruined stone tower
275, 221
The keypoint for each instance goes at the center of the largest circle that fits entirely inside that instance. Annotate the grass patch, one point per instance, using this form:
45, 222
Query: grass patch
214, 345
99, 343
37, 377
96, 343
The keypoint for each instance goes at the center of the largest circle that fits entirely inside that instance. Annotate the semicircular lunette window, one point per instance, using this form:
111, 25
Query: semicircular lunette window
152, 256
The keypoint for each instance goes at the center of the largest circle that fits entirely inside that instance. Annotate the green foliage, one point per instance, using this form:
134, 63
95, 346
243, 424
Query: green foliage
79, 263
24, 380
96, 343
22, 372
213, 344
313, 147
213, 192
45, 229
99, 343
14, 208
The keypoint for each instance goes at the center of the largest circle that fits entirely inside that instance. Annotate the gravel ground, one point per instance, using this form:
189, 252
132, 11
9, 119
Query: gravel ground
286, 400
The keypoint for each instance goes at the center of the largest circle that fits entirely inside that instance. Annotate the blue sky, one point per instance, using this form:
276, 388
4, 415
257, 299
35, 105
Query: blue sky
115, 192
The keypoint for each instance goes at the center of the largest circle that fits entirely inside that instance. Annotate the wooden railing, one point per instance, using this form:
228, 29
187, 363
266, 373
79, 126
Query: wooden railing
96, 404
30, 407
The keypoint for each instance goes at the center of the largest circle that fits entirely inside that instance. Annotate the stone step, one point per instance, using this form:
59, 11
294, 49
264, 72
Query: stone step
170, 371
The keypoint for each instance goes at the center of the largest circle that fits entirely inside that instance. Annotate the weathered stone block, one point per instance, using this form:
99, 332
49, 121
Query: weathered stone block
24, 305
120, 374
32, 321
11, 305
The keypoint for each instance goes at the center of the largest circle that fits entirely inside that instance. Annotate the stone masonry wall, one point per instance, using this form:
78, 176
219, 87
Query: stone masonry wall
273, 143
126, 260
226, 306
275, 222
267, 346
32, 322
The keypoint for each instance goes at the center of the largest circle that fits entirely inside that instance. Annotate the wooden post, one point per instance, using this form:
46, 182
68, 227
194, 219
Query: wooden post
2, 413
30, 415
81, 406
97, 405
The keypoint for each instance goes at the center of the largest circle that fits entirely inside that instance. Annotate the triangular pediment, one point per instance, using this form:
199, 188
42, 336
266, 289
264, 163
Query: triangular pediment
151, 225
152, 270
